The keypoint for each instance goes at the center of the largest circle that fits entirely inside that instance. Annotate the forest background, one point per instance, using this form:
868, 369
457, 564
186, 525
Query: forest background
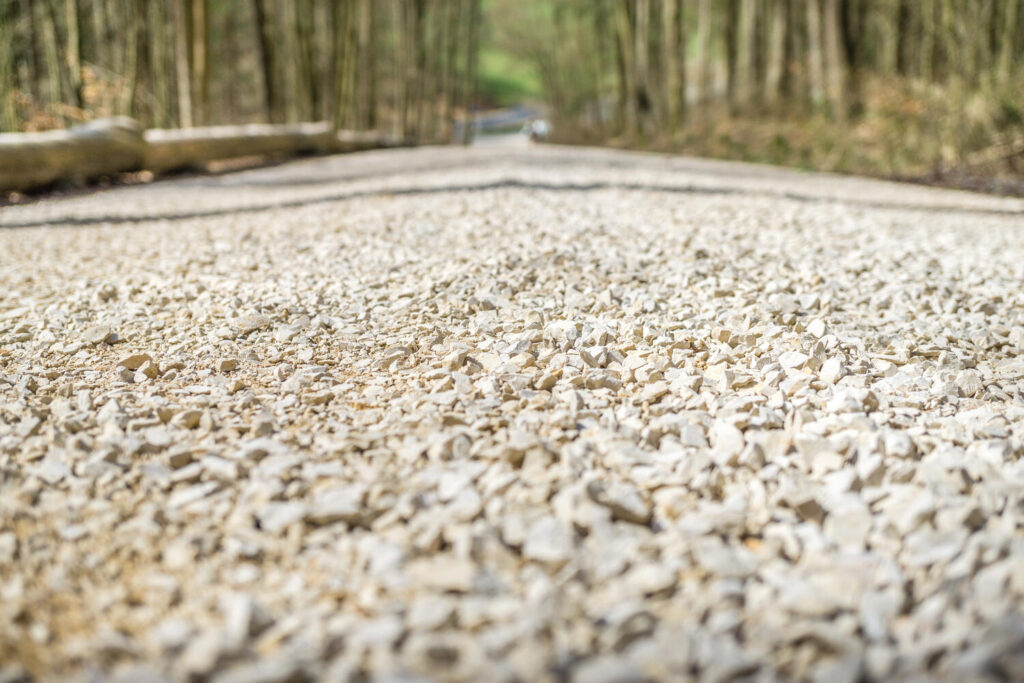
918, 89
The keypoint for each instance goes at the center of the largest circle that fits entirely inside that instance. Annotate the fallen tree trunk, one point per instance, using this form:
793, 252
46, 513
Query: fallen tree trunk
111, 146
79, 154
169, 150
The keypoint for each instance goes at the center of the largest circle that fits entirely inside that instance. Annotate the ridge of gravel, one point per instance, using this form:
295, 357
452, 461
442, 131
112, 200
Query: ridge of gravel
512, 414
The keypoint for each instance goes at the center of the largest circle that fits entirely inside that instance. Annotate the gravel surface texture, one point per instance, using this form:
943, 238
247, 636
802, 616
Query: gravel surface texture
512, 413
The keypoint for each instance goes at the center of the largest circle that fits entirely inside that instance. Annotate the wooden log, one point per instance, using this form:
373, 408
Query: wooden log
98, 148
168, 150
361, 140
108, 146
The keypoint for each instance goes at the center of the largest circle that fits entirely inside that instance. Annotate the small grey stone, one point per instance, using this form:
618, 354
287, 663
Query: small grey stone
100, 334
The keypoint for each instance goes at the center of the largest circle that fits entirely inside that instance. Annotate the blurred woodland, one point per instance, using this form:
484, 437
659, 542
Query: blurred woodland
926, 89
401, 66
887, 87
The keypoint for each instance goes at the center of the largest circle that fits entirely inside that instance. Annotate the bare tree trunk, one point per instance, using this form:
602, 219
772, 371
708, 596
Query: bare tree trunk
815, 64
308, 65
133, 38
670, 64
794, 72
417, 69
604, 43
472, 50
744, 74
952, 51
181, 66
703, 56
905, 44
857, 42
681, 34
401, 95
730, 33
199, 64
776, 52
59, 80
886, 56
624, 31
100, 49
73, 55
8, 111
335, 64
556, 73
350, 74
1006, 41
367, 66
448, 71
156, 17
926, 56
268, 60
641, 21
835, 67
291, 89
35, 50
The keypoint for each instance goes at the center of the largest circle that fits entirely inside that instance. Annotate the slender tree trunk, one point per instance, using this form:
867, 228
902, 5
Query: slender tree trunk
448, 72
682, 96
133, 34
416, 71
59, 80
776, 52
926, 56
670, 64
624, 30
8, 111
200, 37
268, 60
100, 49
35, 50
604, 41
1007, 39
888, 56
744, 70
367, 66
906, 32
472, 50
350, 91
641, 22
181, 66
308, 65
335, 63
401, 79
73, 55
952, 49
291, 88
703, 56
554, 79
156, 18
459, 84
855, 25
815, 63
835, 67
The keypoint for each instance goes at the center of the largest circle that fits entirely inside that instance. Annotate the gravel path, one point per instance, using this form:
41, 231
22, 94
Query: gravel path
512, 413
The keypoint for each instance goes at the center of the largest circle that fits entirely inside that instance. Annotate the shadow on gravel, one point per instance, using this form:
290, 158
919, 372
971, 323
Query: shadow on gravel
510, 183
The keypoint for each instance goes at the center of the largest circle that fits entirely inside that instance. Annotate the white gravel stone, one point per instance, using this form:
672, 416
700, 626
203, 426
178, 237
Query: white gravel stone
549, 541
512, 414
